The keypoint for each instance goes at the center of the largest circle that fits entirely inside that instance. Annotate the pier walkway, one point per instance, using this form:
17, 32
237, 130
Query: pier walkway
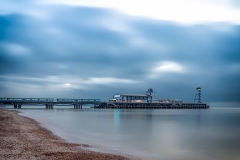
48, 102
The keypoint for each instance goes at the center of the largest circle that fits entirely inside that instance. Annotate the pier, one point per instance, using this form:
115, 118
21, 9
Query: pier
49, 103
152, 105
146, 101
119, 101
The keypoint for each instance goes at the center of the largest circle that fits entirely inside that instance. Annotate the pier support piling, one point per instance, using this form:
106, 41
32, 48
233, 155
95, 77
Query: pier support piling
77, 106
49, 106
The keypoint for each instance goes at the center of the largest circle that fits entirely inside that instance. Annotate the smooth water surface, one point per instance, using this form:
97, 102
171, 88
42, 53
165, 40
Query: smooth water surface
212, 134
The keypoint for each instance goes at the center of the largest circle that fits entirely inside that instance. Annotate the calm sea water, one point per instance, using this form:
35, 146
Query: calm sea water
212, 134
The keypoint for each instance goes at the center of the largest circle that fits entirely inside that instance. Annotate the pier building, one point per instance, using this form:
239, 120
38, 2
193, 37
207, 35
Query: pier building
131, 98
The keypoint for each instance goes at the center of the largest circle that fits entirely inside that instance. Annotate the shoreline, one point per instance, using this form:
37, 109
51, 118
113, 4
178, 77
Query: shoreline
24, 138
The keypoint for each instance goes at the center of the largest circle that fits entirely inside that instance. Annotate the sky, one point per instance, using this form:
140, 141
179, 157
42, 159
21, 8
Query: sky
95, 49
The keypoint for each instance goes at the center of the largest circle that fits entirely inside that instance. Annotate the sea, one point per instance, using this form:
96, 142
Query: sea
151, 134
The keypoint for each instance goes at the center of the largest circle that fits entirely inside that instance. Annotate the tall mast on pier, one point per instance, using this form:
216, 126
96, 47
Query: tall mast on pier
150, 91
198, 95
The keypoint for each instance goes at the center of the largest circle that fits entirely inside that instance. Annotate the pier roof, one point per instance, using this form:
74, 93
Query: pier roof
140, 95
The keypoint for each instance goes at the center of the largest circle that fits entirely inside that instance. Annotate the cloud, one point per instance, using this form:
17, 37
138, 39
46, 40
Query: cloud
99, 59
185, 11
109, 80
67, 81
169, 67
15, 49
166, 69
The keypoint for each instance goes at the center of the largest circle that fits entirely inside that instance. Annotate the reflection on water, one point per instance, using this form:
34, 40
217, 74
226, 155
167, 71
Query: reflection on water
116, 120
149, 134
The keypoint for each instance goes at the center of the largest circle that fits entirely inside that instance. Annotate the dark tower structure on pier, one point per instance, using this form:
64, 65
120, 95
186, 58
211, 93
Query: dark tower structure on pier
198, 95
150, 91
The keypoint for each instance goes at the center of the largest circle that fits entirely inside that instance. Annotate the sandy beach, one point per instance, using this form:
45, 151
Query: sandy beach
24, 138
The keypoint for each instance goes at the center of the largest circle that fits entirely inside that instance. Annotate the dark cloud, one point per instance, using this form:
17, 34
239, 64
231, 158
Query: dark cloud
76, 44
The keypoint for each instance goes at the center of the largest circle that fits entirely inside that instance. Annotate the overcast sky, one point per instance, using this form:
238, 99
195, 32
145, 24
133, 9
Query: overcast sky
94, 49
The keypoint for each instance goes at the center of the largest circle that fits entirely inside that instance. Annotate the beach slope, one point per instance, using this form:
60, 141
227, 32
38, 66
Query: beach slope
24, 138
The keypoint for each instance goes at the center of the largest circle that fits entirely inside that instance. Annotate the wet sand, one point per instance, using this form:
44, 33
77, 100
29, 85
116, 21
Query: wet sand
24, 138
